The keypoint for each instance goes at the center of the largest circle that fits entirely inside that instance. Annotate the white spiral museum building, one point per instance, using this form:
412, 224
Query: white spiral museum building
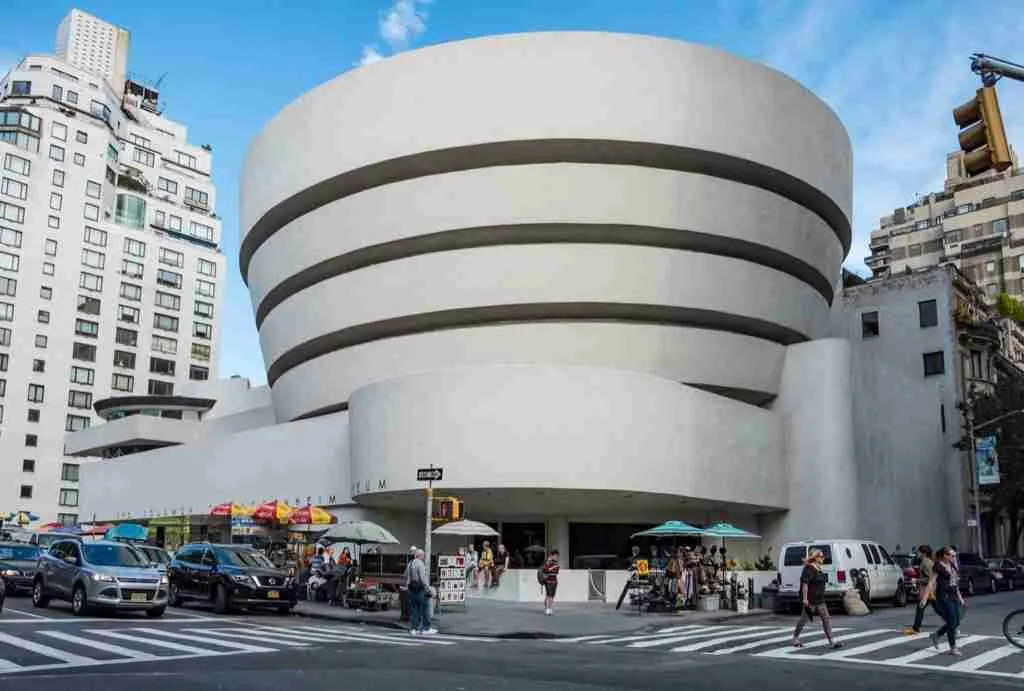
587, 274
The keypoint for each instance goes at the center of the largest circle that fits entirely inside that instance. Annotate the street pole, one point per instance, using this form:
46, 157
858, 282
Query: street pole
429, 522
974, 479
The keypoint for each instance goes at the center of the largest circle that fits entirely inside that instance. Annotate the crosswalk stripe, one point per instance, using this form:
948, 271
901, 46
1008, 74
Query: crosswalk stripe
989, 656
226, 644
646, 636
8, 666
360, 637
45, 650
431, 640
580, 639
712, 642
167, 645
98, 645
761, 643
899, 639
795, 652
930, 651
704, 633
244, 635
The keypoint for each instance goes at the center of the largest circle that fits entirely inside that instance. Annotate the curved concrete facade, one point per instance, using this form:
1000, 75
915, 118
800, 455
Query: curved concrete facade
547, 262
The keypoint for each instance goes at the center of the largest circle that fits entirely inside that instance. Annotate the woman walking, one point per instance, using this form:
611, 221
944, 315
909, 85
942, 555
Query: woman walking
944, 585
812, 596
549, 578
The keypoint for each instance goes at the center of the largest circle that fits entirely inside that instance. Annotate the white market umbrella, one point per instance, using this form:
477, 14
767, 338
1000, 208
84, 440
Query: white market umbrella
465, 529
360, 533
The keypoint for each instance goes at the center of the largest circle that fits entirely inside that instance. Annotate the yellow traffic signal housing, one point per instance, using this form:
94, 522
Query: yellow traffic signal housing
447, 509
982, 136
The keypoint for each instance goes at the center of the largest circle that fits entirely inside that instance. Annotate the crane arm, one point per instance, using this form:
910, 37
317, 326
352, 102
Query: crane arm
991, 69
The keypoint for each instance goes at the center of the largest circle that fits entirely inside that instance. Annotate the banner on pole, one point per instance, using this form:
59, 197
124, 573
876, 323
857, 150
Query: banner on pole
987, 461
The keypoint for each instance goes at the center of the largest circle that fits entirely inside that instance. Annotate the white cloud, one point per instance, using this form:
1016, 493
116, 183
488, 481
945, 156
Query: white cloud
398, 27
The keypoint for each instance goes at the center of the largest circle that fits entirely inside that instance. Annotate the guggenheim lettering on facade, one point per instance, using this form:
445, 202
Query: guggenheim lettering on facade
589, 275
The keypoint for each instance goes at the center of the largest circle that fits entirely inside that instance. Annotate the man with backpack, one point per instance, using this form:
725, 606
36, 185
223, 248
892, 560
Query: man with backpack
547, 576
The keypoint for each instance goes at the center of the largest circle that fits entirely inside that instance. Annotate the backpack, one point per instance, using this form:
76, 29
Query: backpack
541, 576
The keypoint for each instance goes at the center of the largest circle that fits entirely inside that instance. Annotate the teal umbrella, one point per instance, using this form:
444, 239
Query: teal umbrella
671, 529
727, 530
127, 532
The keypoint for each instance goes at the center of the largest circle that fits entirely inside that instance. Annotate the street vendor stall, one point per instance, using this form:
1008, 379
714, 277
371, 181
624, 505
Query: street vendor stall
649, 586
451, 568
359, 589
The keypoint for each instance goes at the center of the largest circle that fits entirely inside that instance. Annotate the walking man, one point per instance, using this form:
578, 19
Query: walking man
418, 585
925, 569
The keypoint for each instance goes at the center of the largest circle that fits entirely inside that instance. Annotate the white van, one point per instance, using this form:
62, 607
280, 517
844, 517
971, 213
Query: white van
843, 558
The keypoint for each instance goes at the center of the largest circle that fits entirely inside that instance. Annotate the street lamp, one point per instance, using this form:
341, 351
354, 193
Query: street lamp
971, 429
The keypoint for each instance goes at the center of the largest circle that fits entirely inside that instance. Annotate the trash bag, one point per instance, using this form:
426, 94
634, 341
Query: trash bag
854, 604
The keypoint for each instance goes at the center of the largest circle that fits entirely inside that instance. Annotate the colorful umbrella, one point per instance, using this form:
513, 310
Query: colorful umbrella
22, 518
98, 529
730, 531
231, 509
274, 510
60, 528
312, 515
129, 532
671, 529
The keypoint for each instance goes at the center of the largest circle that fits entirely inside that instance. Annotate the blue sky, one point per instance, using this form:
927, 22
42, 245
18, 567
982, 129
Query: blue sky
891, 70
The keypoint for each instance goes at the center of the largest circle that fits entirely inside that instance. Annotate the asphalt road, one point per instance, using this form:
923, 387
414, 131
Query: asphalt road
194, 649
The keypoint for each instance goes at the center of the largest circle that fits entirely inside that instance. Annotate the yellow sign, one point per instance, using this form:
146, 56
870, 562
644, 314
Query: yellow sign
642, 567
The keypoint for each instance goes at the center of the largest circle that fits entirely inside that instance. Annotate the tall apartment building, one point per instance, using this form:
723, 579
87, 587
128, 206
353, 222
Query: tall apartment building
110, 270
975, 224
89, 43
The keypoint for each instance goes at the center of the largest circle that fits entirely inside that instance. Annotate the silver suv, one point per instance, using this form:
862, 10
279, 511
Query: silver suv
105, 574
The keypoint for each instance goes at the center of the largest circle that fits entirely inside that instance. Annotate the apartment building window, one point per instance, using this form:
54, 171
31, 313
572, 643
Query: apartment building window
12, 238
160, 388
197, 197
927, 313
130, 211
38, 366
161, 366
93, 259
82, 137
134, 247
201, 231
200, 352
124, 359
79, 159
50, 248
8, 286
4, 361
57, 178
95, 236
206, 268
85, 352
15, 189
36, 393
100, 110
165, 322
58, 92
168, 300
202, 309
67, 518
68, 497
57, 153
197, 373
43, 316
75, 423
19, 139
130, 291
9, 262
56, 201
172, 258
48, 268
53, 222
165, 185
869, 325
92, 212
122, 382
69, 472
934, 363
41, 341
6, 312
92, 189
33, 415
128, 314
28, 465
88, 305
59, 131
187, 160
3, 382
201, 330
79, 399
174, 222
162, 344
88, 281
25, 492
171, 279
159, 219
12, 213
132, 269
17, 164
83, 327
146, 158
31, 440
83, 375
127, 337
139, 140
5, 336
205, 288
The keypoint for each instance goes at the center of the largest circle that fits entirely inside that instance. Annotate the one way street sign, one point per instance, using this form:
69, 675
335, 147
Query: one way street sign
429, 474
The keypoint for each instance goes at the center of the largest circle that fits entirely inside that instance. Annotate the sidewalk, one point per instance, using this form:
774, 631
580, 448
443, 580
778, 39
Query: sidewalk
499, 619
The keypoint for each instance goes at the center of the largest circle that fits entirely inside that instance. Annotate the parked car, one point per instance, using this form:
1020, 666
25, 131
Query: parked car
45, 540
910, 564
1009, 573
157, 556
18, 565
975, 576
110, 575
229, 576
844, 559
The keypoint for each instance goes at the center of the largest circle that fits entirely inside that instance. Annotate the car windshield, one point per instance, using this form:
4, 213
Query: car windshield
113, 555
156, 555
244, 557
19, 553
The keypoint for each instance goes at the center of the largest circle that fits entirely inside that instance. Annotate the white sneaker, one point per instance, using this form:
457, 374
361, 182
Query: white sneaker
429, 632
547, 612
414, 632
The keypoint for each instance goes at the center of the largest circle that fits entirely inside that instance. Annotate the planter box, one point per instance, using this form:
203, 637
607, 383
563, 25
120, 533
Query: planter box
741, 606
709, 603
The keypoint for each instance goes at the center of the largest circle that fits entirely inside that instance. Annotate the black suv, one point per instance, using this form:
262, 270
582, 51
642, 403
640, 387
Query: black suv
975, 575
229, 576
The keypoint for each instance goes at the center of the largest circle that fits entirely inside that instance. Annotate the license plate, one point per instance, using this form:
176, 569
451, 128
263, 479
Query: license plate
138, 597
274, 595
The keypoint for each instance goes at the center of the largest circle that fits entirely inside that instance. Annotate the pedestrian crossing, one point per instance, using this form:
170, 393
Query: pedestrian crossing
49, 648
982, 655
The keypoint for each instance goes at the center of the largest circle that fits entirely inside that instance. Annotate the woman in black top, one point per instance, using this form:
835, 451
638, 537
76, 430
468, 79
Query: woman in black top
944, 584
812, 595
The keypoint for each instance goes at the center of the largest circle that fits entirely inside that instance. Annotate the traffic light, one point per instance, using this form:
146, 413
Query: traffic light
982, 136
447, 509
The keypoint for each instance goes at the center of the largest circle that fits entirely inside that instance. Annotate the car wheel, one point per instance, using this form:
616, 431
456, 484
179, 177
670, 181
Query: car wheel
79, 602
156, 612
970, 587
173, 596
39, 597
220, 600
901, 596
